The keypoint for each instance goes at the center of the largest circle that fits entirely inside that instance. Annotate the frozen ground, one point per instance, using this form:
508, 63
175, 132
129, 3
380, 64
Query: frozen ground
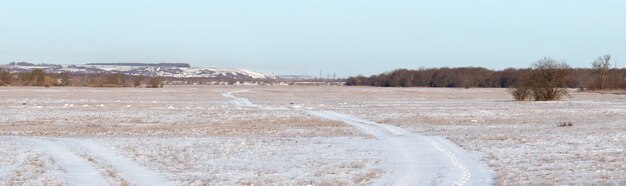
519, 140
416, 160
190, 111
180, 136
410, 159
201, 135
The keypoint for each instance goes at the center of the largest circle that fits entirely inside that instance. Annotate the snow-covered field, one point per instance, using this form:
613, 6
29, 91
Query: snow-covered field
520, 141
306, 135
171, 136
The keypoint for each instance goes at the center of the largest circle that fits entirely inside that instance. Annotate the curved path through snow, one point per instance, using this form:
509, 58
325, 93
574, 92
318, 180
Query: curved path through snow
241, 102
412, 159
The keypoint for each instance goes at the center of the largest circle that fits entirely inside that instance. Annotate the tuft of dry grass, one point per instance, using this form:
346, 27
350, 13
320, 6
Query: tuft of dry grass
368, 177
565, 124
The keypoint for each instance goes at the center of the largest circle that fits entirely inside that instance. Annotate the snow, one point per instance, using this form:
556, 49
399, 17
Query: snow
520, 141
21, 165
181, 72
251, 160
213, 72
268, 137
130, 171
78, 170
9, 165
417, 160
420, 161
240, 102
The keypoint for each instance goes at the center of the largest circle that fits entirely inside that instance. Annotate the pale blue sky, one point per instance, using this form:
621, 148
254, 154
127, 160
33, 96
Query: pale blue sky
348, 37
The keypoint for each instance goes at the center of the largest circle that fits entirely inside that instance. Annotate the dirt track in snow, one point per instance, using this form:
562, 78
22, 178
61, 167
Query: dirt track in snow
174, 131
73, 136
78, 169
81, 171
413, 159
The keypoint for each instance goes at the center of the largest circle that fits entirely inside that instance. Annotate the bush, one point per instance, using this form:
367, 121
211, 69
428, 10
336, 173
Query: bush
38, 77
521, 93
155, 82
138, 81
545, 82
5, 77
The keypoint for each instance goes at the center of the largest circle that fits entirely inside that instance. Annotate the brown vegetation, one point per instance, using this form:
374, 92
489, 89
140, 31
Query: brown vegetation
439, 77
521, 93
601, 76
155, 82
546, 80
138, 81
38, 77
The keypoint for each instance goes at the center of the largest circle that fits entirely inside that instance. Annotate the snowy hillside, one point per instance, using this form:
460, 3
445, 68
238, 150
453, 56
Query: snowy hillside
146, 69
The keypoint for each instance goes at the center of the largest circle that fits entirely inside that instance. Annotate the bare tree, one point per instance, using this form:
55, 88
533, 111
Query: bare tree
601, 68
37, 77
65, 78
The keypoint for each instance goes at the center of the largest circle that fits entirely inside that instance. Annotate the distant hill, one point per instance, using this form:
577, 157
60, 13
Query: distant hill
173, 70
296, 77
144, 64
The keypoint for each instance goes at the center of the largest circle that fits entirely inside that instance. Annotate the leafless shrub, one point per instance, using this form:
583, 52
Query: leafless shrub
545, 82
138, 80
521, 93
367, 178
601, 72
5, 77
155, 82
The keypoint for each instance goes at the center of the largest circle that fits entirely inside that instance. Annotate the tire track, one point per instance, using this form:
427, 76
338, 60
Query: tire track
413, 159
132, 172
241, 102
7, 170
79, 172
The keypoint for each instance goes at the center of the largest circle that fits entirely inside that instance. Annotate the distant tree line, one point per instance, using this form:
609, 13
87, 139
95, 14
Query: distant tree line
602, 75
38, 77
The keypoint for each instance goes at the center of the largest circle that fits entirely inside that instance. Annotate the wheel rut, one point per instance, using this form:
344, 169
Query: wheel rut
412, 159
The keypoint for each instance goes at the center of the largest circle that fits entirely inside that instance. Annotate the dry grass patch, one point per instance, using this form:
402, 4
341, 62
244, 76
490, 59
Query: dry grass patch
256, 127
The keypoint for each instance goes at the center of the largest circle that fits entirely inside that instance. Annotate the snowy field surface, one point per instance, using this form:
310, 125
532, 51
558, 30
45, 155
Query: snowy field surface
520, 141
306, 135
